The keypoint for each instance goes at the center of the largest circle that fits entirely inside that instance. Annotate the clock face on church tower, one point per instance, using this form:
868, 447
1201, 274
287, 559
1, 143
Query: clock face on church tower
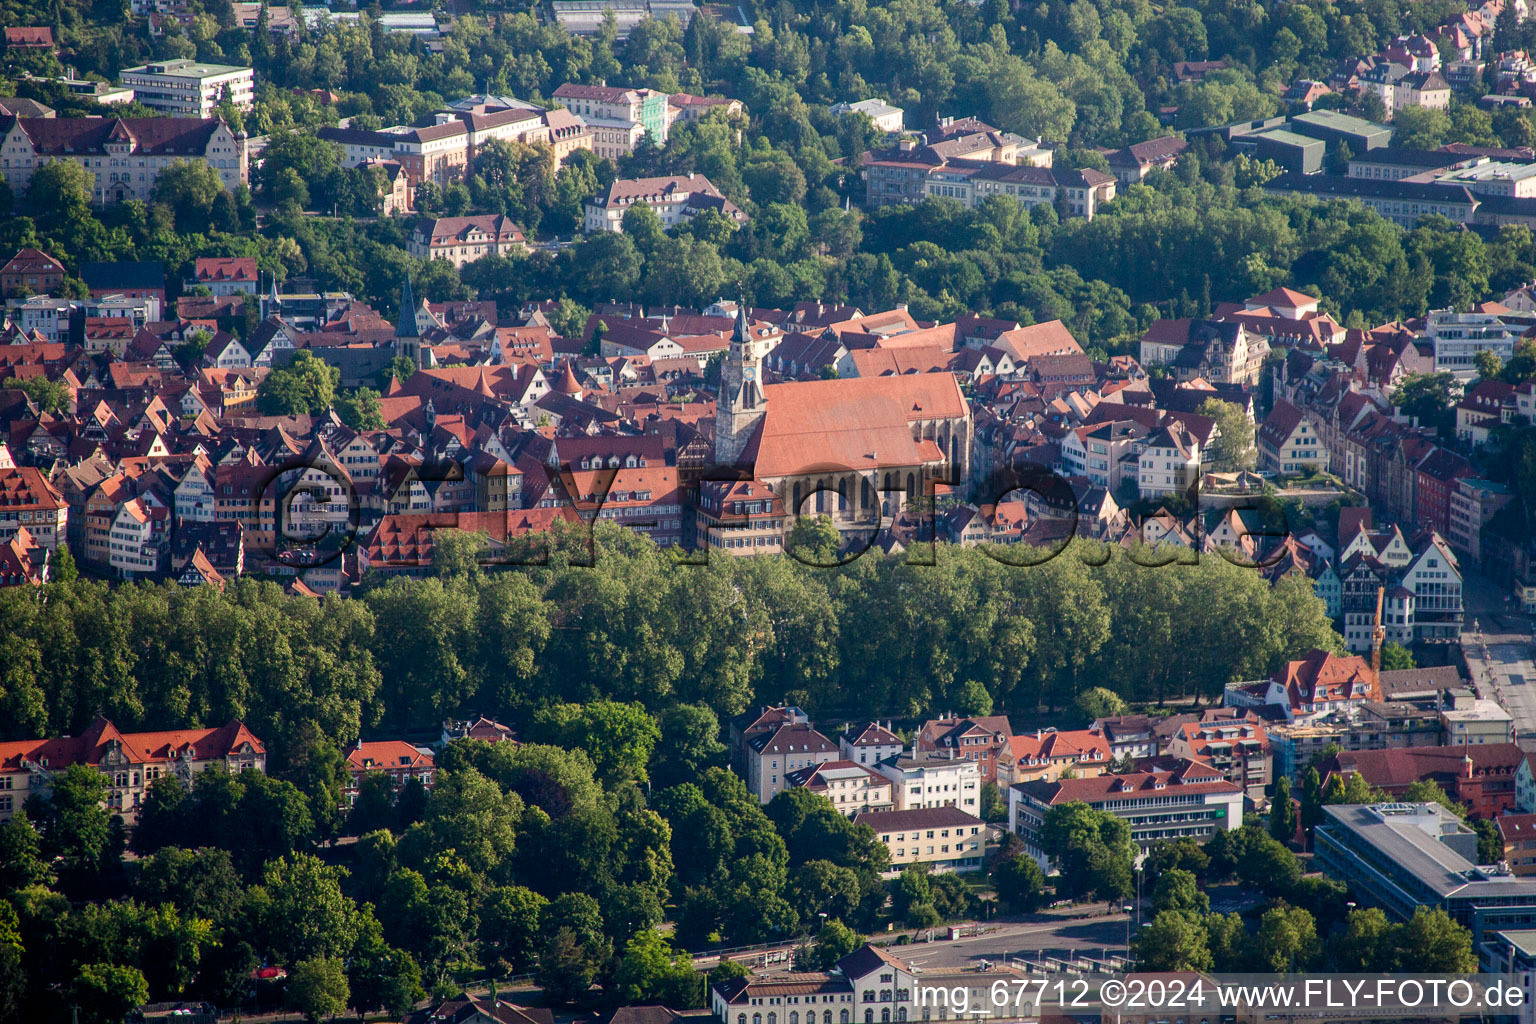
749, 373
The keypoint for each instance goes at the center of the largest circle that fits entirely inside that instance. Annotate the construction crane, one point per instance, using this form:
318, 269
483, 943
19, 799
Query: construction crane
1378, 634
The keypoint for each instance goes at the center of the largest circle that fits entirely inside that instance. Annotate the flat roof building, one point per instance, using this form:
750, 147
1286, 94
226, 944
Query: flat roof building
190, 88
1402, 856
1300, 154
1333, 127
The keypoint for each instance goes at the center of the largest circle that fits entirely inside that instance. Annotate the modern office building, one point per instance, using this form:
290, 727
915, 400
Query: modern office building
1192, 801
1403, 856
190, 88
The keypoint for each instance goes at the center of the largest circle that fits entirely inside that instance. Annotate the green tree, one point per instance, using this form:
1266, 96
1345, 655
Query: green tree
305, 385
1395, 657
21, 862
568, 317
619, 738
318, 988
74, 825
302, 912
1431, 942
834, 941
1178, 891
649, 971
381, 977
359, 409
994, 808
1282, 812
972, 699
1091, 849
1426, 397
199, 883
813, 540
1098, 702
1489, 367
689, 743
106, 992
1020, 883
1233, 447
509, 926
1286, 941
191, 189
822, 887
61, 569
1365, 943
1174, 941
49, 395
1421, 127
608, 265
575, 947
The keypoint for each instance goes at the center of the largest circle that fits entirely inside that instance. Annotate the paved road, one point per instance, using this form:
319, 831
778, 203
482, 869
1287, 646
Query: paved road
1499, 648
1094, 937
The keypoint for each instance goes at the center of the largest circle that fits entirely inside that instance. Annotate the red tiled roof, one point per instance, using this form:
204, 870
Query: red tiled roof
1517, 828
1047, 339
224, 268
138, 747
1282, 297
1193, 778
376, 755
1079, 744
1322, 677
948, 816
1389, 769
88, 136
861, 423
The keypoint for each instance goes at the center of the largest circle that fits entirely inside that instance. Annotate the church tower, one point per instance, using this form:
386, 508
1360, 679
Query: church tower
407, 335
741, 404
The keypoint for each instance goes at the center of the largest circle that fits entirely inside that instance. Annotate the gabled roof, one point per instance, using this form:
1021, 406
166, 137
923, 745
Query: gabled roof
1322, 677
792, 737
866, 960
816, 776
467, 1009
1193, 778
1281, 422
1388, 769
861, 422
872, 734
378, 755
82, 136
947, 816
1078, 744
139, 748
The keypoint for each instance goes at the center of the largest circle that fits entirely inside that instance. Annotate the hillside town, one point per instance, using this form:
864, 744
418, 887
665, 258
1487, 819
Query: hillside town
635, 512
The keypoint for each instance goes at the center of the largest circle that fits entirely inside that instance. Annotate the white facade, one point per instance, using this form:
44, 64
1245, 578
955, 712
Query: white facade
189, 88
886, 117
194, 500
1459, 337
136, 538
123, 168
933, 782
41, 313
1157, 806
1167, 468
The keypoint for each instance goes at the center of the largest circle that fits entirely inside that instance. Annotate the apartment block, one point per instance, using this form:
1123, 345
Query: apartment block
190, 88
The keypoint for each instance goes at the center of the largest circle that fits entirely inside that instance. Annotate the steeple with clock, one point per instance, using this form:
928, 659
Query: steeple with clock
741, 404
